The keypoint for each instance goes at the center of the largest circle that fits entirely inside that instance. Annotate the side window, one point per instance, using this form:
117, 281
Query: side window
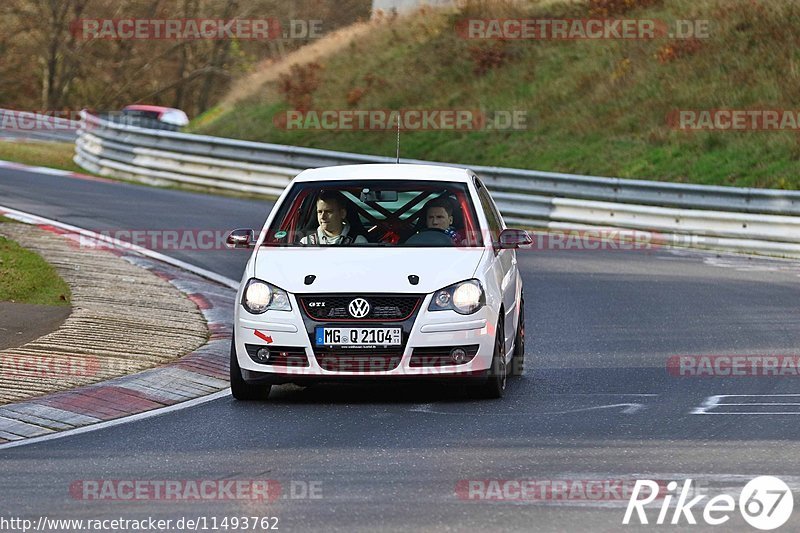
495, 226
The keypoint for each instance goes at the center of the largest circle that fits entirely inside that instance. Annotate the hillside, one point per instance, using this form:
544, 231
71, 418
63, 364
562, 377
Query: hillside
592, 106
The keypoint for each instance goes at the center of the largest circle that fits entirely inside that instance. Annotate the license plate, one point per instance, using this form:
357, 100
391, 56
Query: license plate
359, 336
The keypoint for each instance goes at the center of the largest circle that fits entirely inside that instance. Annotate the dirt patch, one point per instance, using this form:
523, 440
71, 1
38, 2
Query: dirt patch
22, 323
270, 69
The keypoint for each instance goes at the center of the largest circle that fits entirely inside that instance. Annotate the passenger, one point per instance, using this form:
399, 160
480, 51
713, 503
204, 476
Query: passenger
333, 227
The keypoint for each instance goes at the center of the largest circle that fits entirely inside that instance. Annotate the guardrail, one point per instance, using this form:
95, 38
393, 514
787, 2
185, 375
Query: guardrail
759, 220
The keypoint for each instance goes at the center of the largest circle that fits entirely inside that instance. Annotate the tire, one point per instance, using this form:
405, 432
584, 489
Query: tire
240, 389
494, 386
518, 361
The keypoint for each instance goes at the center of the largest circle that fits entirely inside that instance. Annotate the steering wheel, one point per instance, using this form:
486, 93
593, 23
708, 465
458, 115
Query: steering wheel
431, 236
439, 230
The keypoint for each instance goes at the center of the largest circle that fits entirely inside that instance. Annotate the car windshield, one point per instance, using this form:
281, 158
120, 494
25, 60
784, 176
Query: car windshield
376, 213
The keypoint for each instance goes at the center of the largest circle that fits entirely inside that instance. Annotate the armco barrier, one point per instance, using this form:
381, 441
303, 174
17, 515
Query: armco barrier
742, 219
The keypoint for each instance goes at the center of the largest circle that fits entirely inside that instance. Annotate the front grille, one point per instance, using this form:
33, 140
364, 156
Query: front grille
383, 307
290, 356
350, 361
439, 356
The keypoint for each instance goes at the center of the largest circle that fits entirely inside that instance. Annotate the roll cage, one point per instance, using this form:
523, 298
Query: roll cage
382, 223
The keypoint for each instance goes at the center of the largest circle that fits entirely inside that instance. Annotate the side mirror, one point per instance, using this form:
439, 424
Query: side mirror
241, 238
514, 238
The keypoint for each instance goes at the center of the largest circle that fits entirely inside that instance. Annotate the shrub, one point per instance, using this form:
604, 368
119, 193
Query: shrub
678, 49
299, 84
486, 58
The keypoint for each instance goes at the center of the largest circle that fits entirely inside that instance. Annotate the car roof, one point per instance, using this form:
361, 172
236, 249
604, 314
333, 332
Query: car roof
151, 108
386, 171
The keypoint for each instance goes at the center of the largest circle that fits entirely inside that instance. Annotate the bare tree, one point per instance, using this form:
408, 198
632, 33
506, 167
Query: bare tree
46, 62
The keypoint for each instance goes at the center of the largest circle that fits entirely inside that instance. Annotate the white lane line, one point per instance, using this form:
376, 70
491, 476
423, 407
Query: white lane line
708, 404
22, 216
759, 403
424, 408
119, 421
755, 395
601, 394
630, 409
716, 402
770, 413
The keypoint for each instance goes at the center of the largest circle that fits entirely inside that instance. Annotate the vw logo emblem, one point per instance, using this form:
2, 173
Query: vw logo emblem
358, 308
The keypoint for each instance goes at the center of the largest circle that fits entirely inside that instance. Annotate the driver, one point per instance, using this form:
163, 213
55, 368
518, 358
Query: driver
439, 215
333, 227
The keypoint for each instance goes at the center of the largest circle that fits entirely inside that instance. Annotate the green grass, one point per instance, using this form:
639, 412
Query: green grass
593, 107
44, 154
26, 278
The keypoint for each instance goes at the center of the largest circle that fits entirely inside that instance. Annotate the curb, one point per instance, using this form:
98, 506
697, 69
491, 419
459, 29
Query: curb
197, 375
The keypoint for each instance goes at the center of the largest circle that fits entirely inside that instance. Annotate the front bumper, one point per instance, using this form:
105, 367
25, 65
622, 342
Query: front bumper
293, 329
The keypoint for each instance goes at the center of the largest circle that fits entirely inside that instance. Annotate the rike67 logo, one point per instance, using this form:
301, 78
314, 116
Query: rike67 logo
765, 503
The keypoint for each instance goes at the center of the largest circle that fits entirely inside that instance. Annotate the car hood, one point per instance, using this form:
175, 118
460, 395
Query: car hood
353, 269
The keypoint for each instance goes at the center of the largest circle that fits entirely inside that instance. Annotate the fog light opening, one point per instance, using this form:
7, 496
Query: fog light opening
458, 355
263, 355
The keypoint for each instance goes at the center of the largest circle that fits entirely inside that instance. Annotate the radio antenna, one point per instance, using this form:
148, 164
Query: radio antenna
398, 138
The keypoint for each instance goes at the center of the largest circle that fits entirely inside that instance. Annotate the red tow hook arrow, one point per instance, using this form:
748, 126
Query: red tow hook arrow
265, 338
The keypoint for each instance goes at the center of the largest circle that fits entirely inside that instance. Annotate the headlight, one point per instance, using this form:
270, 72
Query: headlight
259, 297
464, 297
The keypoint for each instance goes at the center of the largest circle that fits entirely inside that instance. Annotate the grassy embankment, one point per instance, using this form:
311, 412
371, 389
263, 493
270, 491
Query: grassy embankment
41, 154
27, 278
594, 106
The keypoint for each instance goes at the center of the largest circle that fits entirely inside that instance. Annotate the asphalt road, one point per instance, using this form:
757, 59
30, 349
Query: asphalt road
597, 402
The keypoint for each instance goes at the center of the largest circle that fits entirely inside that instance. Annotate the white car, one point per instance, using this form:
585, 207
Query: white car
380, 272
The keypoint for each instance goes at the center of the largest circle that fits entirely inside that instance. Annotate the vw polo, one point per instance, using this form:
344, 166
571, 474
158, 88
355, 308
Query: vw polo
380, 272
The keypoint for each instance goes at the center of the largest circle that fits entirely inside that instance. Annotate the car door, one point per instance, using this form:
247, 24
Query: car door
505, 263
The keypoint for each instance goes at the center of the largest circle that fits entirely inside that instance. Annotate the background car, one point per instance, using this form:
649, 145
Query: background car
154, 117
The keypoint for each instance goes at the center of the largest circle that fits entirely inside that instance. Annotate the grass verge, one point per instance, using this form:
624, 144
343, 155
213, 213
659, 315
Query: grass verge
42, 154
27, 278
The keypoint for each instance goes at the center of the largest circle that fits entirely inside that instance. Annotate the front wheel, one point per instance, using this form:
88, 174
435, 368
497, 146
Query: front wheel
240, 389
495, 385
